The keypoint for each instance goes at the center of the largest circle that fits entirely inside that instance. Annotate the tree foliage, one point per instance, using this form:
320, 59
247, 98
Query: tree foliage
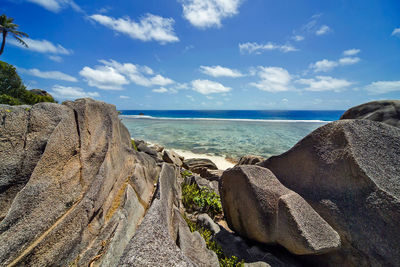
13, 91
7, 26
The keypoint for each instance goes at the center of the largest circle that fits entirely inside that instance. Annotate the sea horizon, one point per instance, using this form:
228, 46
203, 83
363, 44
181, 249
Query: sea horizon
226, 133
231, 114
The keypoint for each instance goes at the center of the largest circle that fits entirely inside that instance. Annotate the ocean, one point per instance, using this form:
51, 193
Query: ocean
226, 133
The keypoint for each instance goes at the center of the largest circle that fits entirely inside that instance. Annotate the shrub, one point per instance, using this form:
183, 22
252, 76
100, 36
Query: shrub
13, 91
202, 200
9, 100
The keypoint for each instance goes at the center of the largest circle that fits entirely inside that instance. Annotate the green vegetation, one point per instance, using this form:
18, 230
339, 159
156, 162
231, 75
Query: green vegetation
13, 91
214, 246
134, 144
8, 27
186, 173
201, 200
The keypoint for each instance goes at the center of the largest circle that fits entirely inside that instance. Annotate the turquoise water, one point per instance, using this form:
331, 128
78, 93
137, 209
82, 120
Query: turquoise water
221, 137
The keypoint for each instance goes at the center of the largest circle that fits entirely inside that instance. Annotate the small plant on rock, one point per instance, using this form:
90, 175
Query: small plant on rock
134, 144
201, 200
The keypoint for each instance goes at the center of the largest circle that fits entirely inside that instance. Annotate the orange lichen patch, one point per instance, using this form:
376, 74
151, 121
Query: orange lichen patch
141, 201
117, 201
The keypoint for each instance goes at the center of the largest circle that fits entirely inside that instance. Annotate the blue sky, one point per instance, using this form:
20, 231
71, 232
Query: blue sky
210, 54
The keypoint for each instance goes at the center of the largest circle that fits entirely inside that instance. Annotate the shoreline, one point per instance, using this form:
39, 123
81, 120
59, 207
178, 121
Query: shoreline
221, 162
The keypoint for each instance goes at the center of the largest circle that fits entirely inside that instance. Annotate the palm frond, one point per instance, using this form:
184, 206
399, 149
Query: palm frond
21, 41
19, 33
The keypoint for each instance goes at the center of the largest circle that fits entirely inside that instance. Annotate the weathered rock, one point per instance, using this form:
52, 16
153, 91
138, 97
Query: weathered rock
75, 183
40, 92
349, 171
152, 244
155, 242
208, 223
170, 156
212, 175
196, 165
156, 147
144, 148
250, 160
23, 138
257, 206
194, 247
386, 111
201, 182
234, 245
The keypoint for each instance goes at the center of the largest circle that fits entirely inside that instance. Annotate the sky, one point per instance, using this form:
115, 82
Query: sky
210, 54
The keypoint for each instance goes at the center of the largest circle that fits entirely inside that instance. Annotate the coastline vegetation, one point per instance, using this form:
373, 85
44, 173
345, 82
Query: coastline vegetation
14, 92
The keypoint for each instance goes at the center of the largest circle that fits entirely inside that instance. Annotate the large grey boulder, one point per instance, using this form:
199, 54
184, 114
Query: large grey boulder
257, 206
71, 186
386, 111
349, 171
24, 134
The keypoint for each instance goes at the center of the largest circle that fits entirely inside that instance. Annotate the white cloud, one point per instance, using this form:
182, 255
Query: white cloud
209, 13
218, 71
42, 46
273, 79
351, 52
206, 87
396, 32
298, 38
104, 77
383, 87
55, 75
349, 60
150, 27
56, 5
138, 74
124, 97
160, 80
113, 75
160, 90
56, 58
324, 29
323, 65
324, 83
66, 92
258, 48
326, 65
310, 28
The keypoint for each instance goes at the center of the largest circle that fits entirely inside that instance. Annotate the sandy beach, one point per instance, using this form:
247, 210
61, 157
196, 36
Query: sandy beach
221, 162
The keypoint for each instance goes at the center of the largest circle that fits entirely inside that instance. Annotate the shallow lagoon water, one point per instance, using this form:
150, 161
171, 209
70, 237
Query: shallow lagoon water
221, 137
